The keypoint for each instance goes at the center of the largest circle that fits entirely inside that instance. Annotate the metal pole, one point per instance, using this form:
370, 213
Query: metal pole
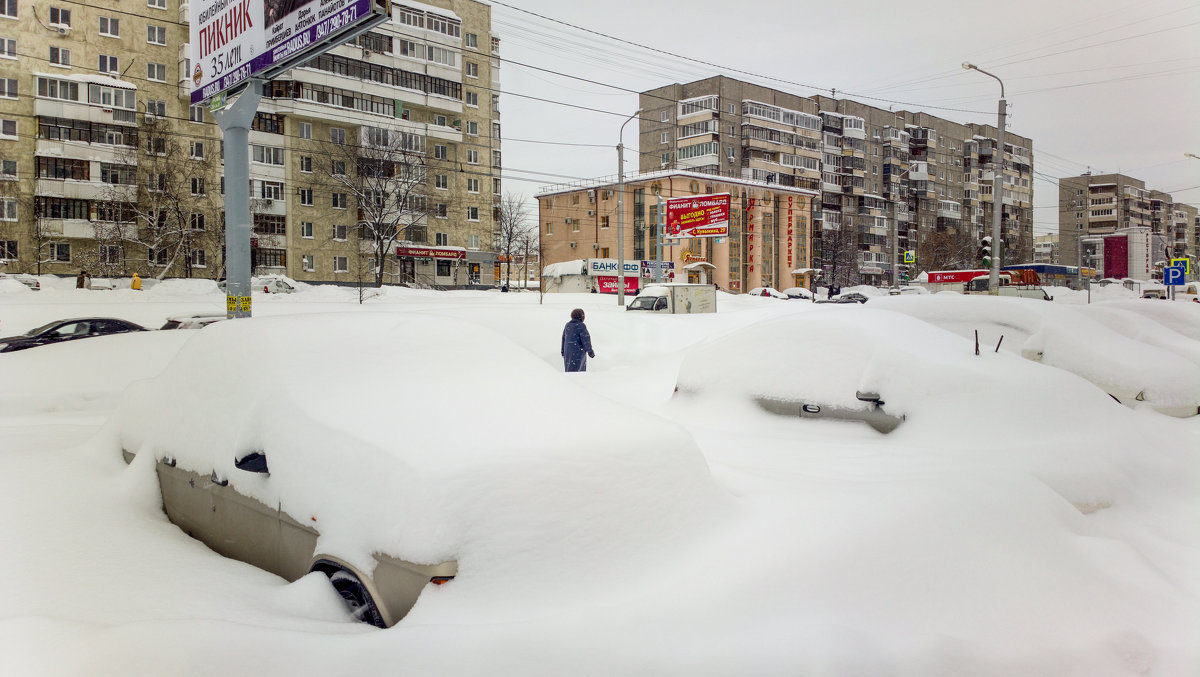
235, 121
659, 221
997, 184
621, 210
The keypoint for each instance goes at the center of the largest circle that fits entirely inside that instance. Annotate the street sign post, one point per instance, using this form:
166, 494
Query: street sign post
1174, 275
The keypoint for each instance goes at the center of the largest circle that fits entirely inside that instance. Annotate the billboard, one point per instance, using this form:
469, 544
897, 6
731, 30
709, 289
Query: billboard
698, 216
234, 40
596, 267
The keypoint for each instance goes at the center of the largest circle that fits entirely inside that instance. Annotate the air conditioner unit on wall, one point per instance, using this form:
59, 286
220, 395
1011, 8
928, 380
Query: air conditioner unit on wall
573, 245
595, 245
64, 30
591, 212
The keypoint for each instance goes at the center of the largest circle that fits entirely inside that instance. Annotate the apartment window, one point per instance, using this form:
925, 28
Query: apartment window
339, 201
8, 129
271, 190
58, 55
439, 152
471, 68
118, 174
59, 251
8, 48
472, 213
157, 183
471, 40
341, 264
472, 185
665, 158
472, 99
8, 170
473, 241
472, 128
306, 229
156, 72
8, 209
442, 240
574, 225
306, 163
108, 64
337, 167
196, 150
496, 159
8, 88
156, 108
196, 221
439, 211
157, 4
733, 109
664, 137
197, 185
472, 157
8, 8
110, 254
337, 135
549, 229
110, 26
306, 263
305, 130
156, 145
439, 120
267, 155
306, 197
339, 233
58, 16
664, 116
495, 186
8, 250
441, 181
156, 35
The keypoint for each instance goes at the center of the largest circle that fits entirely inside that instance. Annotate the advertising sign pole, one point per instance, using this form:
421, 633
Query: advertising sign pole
235, 121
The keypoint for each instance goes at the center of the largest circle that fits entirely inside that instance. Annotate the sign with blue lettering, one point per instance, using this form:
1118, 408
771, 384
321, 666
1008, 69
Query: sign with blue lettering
1173, 275
609, 267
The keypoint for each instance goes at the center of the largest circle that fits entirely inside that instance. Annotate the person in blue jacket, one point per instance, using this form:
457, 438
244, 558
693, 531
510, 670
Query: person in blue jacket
576, 343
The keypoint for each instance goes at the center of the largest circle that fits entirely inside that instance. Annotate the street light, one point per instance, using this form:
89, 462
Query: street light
621, 210
997, 182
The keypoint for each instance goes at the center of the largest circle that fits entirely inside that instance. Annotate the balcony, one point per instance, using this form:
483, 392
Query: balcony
85, 190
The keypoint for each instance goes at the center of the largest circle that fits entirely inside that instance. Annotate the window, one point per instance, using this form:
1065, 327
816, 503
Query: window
341, 264
604, 222
574, 225
443, 267
156, 145
439, 120
473, 241
271, 190
472, 213
471, 68
664, 137
58, 55
156, 183
306, 263
196, 150
442, 240
156, 108
8, 88
306, 163
60, 251
306, 229
197, 259
196, 221
118, 174
441, 181
472, 98
472, 157
8, 170
306, 197
665, 158
8, 48
472, 128
339, 233
664, 116
267, 155
8, 250
337, 167
108, 64
439, 152
8, 8
58, 16
339, 201
197, 185
110, 26
337, 135
495, 186
471, 40
439, 211
157, 4
472, 185
305, 130
156, 35
8, 209
157, 72
549, 229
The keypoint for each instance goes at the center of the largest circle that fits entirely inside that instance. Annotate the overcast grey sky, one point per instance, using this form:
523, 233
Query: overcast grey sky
1103, 84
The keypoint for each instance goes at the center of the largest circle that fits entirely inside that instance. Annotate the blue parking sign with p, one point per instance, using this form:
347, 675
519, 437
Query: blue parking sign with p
1173, 275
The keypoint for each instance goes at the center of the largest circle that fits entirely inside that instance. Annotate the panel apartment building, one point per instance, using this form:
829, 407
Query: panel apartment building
929, 177
1091, 206
96, 124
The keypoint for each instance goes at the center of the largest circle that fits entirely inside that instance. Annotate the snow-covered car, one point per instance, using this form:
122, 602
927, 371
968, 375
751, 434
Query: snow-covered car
104, 284
192, 320
67, 330
767, 291
798, 293
27, 280
383, 479
267, 284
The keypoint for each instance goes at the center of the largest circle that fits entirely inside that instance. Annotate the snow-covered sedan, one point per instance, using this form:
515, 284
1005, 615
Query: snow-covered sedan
393, 453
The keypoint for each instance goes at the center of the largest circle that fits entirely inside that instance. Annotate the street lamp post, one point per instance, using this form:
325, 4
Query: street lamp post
997, 184
621, 210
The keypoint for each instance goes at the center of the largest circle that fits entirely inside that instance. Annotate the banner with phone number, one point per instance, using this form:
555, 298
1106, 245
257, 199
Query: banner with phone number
698, 216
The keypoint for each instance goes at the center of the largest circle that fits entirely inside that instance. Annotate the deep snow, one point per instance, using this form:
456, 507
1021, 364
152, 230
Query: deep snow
1018, 522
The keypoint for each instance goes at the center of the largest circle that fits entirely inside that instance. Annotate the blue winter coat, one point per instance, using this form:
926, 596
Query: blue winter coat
576, 346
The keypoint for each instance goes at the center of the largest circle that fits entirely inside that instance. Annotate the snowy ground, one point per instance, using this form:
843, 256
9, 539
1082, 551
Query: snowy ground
1019, 521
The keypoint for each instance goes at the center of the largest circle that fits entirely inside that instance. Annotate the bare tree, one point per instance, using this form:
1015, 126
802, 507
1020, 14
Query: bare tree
161, 200
511, 229
384, 170
839, 257
948, 250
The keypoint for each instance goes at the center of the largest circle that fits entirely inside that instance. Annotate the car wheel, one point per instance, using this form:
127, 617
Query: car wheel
356, 597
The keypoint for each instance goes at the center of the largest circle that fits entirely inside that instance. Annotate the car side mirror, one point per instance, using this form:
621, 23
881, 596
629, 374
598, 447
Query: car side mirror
868, 396
255, 461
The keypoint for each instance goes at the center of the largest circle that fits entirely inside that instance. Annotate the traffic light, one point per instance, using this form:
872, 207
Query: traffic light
985, 251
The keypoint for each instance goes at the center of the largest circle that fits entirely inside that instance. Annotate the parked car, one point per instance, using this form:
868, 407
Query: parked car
798, 293
104, 284
767, 291
267, 285
67, 330
27, 280
192, 320
849, 297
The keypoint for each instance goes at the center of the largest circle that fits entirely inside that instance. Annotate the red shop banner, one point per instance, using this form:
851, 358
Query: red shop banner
608, 285
698, 216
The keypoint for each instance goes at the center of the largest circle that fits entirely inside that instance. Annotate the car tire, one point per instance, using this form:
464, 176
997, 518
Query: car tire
356, 596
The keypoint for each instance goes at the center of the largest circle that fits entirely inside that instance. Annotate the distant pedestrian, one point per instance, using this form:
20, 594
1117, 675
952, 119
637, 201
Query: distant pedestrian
81, 279
576, 343
136, 283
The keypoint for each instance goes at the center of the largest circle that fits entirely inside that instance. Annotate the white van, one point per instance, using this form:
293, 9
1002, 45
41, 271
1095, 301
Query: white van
676, 298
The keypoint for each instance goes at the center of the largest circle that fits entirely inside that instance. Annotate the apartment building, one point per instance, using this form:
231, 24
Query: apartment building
919, 179
107, 166
1091, 206
769, 231
1045, 249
